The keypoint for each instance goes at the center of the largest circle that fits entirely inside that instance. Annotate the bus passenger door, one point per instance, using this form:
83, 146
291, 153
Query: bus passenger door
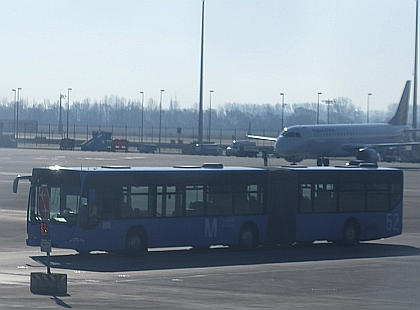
99, 220
63, 215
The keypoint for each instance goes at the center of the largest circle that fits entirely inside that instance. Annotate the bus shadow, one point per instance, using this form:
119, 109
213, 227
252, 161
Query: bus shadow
176, 259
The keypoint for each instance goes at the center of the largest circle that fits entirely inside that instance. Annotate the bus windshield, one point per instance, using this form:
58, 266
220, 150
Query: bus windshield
61, 198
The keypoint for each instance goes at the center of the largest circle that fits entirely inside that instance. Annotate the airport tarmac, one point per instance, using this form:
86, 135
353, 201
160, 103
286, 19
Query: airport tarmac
382, 274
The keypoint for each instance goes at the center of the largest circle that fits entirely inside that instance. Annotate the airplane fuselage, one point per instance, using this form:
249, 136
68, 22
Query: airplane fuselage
313, 141
296, 143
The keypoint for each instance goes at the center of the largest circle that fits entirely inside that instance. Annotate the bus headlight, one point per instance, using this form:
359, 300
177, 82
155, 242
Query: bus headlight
31, 236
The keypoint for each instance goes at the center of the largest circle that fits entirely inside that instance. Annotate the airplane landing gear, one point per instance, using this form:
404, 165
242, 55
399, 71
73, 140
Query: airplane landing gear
322, 161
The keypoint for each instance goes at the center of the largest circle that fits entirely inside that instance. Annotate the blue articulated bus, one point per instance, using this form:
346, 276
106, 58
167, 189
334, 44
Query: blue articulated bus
132, 209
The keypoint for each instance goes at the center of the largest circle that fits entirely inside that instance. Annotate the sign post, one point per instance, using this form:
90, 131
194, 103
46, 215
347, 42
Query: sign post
47, 283
44, 211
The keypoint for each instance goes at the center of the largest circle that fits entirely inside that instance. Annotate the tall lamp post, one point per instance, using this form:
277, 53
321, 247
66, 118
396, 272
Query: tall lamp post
60, 120
200, 105
142, 115
14, 114
282, 111
317, 109
160, 117
68, 111
415, 74
17, 115
367, 107
211, 92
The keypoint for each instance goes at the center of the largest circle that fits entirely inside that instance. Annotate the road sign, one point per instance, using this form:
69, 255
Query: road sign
45, 245
44, 203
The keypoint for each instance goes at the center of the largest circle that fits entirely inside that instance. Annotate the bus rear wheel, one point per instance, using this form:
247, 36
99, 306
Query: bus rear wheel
248, 238
136, 242
350, 234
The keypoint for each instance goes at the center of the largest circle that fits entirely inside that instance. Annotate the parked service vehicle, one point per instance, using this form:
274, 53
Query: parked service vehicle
195, 148
242, 149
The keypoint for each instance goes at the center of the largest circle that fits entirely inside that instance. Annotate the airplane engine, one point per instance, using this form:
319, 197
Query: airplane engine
368, 155
293, 159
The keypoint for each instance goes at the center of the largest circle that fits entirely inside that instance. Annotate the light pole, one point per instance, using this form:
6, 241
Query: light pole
211, 92
142, 115
317, 109
17, 115
367, 107
200, 106
68, 110
415, 73
14, 114
60, 121
160, 117
282, 111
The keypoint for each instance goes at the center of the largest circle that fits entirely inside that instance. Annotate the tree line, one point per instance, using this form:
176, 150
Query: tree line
119, 112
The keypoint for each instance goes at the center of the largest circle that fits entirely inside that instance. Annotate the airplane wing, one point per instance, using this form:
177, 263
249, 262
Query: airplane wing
356, 147
390, 144
261, 138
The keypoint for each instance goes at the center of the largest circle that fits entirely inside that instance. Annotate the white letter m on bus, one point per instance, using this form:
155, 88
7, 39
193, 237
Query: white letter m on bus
210, 231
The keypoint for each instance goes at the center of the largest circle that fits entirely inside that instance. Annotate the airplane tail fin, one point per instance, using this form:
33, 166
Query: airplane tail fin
400, 117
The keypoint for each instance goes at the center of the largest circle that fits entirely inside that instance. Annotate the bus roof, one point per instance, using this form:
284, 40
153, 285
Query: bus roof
212, 167
204, 168
337, 168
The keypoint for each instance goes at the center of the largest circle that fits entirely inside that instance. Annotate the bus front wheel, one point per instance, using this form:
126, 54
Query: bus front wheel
248, 238
136, 242
350, 234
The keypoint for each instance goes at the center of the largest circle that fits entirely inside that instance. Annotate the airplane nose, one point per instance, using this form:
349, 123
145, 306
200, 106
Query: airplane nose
283, 146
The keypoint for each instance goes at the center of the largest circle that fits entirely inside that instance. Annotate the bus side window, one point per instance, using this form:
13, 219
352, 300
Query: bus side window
160, 207
255, 194
377, 197
171, 199
168, 201
179, 199
111, 205
194, 200
395, 194
241, 204
84, 216
141, 201
351, 197
219, 200
123, 206
305, 203
325, 198
91, 211
249, 199
255, 206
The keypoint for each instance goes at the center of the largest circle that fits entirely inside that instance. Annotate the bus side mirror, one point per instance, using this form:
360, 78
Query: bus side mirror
15, 184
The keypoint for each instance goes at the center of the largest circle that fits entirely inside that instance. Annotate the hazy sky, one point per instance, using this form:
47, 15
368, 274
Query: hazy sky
253, 50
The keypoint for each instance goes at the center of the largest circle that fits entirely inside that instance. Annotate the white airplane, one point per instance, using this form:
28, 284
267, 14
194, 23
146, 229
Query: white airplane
299, 142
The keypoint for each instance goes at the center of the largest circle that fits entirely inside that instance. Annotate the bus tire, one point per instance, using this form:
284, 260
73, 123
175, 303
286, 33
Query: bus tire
136, 242
248, 238
351, 233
